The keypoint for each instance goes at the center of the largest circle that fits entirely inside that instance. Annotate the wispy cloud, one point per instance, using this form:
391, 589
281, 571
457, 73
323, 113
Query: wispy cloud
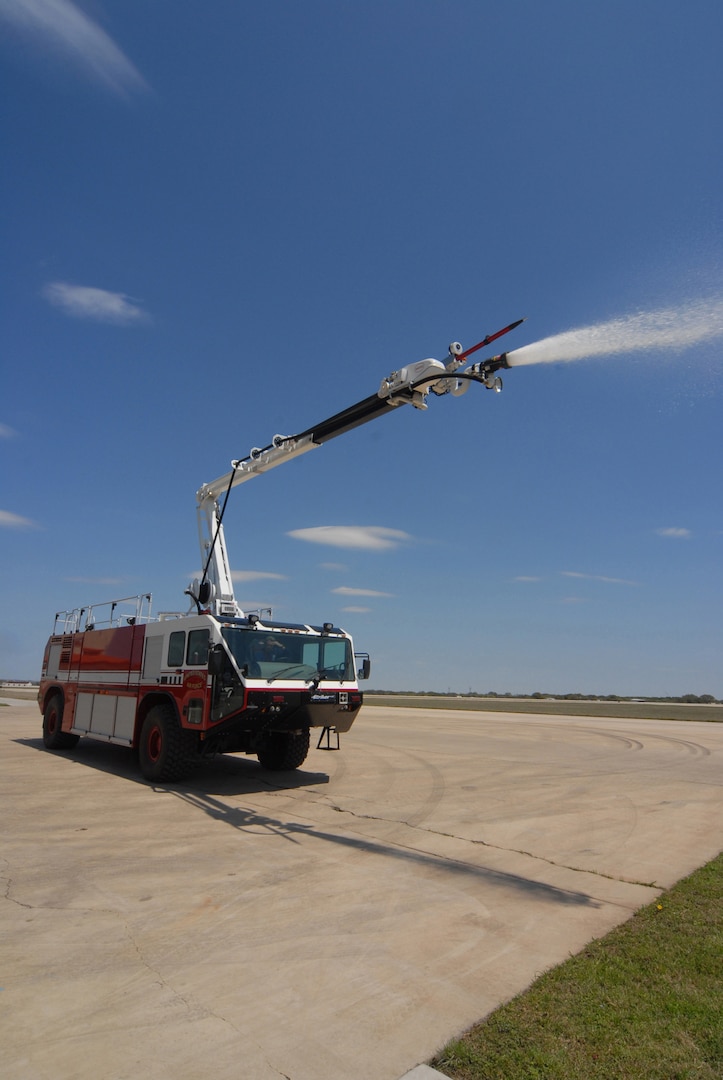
525, 577
366, 537
98, 305
357, 610
256, 575
345, 590
597, 577
675, 534
8, 520
63, 27
6, 432
335, 566
95, 580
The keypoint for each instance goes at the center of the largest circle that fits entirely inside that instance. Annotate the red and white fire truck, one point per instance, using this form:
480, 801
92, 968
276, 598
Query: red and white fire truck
178, 687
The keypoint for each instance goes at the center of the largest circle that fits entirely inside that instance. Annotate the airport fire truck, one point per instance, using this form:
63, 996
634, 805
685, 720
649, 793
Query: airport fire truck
176, 688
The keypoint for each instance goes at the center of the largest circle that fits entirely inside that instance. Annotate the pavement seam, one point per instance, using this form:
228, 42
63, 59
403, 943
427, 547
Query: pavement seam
191, 1006
496, 847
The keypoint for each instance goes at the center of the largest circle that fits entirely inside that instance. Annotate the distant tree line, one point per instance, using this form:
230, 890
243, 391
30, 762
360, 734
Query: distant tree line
683, 699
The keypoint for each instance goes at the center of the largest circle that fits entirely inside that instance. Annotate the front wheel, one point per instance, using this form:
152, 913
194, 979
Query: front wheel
54, 737
165, 750
283, 750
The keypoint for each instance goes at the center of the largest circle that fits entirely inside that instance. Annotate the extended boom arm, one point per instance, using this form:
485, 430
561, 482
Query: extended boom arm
409, 385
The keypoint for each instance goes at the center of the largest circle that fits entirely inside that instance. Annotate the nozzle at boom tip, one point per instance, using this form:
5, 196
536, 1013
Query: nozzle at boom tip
494, 363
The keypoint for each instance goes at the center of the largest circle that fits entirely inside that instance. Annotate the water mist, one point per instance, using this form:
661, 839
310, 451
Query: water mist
693, 323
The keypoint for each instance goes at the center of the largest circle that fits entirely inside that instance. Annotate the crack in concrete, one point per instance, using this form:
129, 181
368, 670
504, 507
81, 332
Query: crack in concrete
8, 884
12, 900
494, 847
200, 1010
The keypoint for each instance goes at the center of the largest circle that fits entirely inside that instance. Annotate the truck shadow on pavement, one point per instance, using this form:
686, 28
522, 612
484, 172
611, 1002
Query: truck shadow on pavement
223, 774
231, 775
296, 832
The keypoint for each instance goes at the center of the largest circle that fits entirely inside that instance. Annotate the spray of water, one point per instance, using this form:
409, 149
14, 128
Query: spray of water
694, 323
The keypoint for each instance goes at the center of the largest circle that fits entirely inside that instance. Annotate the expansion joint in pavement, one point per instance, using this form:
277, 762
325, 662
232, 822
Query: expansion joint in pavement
496, 847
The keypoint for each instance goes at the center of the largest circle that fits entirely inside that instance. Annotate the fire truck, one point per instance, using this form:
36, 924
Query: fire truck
180, 687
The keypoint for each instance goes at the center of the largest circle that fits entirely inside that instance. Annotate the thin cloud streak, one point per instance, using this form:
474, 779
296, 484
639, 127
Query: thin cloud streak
346, 590
95, 580
675, 534
62, 26
256, 575
98, 305
597, 577
365, 537
9, 520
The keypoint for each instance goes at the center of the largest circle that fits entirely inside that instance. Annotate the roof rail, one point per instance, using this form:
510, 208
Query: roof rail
126, 611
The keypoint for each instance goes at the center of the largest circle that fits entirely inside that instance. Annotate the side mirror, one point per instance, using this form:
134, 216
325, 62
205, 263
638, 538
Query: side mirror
365, 670
216, 660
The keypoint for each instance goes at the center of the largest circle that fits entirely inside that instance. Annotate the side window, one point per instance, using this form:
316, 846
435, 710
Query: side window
176, 648
197, 647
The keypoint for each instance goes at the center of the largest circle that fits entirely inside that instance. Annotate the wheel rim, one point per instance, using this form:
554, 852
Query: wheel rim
155, 743
52, 721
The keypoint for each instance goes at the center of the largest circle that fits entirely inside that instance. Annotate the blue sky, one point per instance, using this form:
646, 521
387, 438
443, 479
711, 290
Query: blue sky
231, 220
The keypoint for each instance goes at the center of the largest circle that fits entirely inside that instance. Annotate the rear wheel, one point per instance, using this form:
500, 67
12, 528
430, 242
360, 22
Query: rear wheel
284, 750
166, 751
54, 737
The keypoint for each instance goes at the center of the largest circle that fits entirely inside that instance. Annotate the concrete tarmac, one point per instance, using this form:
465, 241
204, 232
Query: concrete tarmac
337, 923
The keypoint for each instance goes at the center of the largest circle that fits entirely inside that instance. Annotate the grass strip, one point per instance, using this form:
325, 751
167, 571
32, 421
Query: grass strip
643, 1003
624, 710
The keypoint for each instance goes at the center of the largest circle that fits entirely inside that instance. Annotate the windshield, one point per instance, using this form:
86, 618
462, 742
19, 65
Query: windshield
263, 654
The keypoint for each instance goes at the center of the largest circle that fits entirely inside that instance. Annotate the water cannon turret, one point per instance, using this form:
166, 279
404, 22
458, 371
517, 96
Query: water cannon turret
485, 371
495, 363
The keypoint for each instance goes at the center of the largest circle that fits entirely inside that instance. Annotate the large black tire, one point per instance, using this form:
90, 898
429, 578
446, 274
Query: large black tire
165, 750
283, 750
54, 737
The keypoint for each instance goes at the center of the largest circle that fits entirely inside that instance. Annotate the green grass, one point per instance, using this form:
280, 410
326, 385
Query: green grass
643, 1003
627, 710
